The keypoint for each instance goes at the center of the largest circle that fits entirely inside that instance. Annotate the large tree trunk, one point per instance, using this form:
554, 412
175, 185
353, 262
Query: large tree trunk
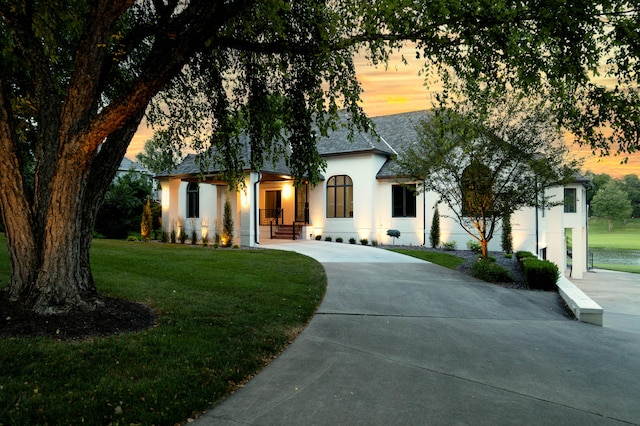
49, 239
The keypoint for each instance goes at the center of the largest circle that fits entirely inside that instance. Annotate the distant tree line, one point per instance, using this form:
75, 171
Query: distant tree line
613, 199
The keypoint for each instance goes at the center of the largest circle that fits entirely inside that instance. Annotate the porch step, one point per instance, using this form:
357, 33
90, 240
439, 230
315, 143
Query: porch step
284, 232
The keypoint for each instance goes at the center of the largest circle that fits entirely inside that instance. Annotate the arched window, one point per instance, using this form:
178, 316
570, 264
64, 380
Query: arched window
193, 200
340, 196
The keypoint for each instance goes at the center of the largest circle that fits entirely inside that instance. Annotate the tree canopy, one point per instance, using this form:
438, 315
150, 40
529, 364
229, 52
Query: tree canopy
611, 202
78, 76
485, 166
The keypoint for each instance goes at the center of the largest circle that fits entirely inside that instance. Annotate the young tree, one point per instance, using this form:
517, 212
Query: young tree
146, 223
78, 75
487, 165
227, 224
612, 203
507, 237
434, 235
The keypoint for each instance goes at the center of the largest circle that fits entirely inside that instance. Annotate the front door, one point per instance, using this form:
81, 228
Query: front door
302, 203
273, 204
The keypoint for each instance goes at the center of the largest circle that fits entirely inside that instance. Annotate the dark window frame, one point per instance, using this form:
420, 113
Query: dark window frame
339, 186
403, 201
193, 200
570, 200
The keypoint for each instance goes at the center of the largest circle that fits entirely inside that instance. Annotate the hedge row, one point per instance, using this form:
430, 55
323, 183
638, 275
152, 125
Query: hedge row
540, 274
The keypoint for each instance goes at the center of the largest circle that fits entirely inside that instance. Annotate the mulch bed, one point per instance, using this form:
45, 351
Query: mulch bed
114, 317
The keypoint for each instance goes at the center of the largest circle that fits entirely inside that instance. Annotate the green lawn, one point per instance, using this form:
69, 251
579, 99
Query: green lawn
623, 235
224, 315
443, 259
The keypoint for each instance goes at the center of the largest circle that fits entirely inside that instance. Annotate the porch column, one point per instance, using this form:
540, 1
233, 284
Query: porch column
249, 201
170, 208
579, 252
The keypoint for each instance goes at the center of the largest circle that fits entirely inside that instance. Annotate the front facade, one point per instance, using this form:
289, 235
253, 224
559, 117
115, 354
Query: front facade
360, 198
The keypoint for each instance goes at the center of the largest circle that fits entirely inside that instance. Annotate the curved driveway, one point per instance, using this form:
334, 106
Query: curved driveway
398, 341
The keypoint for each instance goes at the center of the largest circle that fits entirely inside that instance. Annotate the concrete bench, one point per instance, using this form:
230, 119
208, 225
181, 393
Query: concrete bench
584, 309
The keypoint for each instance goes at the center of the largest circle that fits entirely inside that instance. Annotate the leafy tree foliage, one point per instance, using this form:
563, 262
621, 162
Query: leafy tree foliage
612, 203
123, 203
78, 76
485, 166
631, 185
597, 181
507, 236
158, 154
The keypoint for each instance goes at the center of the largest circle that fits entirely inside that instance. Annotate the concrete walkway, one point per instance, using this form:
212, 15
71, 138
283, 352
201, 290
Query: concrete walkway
619, 295
403, 342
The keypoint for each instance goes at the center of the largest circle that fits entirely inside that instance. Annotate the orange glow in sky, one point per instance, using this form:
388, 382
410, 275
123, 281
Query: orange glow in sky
399, 88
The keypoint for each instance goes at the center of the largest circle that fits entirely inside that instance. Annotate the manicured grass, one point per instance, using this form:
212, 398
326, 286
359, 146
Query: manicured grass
623, 235
635, 269
443, 259
224, 315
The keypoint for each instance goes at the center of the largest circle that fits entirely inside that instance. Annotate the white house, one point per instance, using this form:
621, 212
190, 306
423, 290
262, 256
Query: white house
360, 197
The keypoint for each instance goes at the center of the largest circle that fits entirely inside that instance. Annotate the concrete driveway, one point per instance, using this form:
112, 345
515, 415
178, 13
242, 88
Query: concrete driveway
398, 341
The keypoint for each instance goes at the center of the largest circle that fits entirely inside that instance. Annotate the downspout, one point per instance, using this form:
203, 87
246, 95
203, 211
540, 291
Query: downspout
537, 231
256, 222
424, 217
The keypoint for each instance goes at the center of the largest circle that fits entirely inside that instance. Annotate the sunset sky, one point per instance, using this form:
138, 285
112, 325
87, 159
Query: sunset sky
399, 89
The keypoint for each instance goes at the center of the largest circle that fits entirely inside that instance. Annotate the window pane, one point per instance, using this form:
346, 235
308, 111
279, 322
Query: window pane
339, 196
570, 200
410, 203
340, 208
331, 201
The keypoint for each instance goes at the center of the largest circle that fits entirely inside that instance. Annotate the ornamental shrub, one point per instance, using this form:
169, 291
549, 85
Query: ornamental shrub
540, 274
434, 235
339, 240
364, 241
486, 270
521, 255
474, 246
450, 246
352, 240
328, 239
507, 237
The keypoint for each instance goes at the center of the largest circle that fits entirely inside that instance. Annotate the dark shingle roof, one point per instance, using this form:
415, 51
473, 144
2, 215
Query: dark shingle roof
394, 132
191, 165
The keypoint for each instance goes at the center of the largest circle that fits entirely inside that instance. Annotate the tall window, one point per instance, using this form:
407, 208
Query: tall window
193, 200
403, 201
569, 200
340, 196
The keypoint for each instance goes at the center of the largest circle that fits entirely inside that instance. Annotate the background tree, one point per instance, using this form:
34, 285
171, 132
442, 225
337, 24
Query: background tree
78, 75
487, 165
631, 185
597, 181
158, 154
120, 212
612, 203
434, 234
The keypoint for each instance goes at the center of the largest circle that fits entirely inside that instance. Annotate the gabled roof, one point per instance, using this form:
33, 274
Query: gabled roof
127, 164
191, 164
393, 133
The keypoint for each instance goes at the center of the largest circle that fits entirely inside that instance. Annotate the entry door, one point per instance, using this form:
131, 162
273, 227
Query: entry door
302, 203
273, 203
